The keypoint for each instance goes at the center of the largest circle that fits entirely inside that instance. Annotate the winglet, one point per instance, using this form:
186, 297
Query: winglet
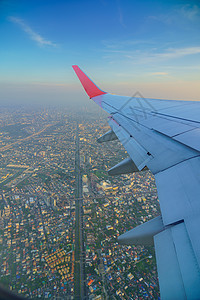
91, 89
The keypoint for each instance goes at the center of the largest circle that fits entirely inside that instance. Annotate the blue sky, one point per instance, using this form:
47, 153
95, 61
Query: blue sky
125, 46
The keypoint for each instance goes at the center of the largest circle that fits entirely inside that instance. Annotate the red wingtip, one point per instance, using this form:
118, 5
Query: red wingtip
91, 89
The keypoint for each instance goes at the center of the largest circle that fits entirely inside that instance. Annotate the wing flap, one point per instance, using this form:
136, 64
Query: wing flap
193, 229
138, 154
182, 130
187, 261
178, 191
190, 138
179, 279
170, 279
165, 152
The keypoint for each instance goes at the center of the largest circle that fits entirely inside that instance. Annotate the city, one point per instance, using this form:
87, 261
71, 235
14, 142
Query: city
99, 150
61, 214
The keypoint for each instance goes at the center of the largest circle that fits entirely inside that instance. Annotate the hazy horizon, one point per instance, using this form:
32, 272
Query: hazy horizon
127, 47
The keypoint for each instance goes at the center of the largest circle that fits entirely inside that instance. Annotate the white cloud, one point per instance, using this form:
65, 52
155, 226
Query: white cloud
31, 33
178, 52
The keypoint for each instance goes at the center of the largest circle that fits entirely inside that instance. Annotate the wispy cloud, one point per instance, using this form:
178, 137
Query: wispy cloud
159, 74
190, 12
180, 15
178, 52
142, 56
121, 17
31, 33
124, 44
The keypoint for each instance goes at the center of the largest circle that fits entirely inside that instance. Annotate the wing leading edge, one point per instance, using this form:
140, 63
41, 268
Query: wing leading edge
163, 136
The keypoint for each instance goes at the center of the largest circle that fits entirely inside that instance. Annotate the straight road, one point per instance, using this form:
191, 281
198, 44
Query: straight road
79, 267
25, 139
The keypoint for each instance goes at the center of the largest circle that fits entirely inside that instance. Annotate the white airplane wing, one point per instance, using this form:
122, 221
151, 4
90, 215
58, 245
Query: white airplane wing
163, 136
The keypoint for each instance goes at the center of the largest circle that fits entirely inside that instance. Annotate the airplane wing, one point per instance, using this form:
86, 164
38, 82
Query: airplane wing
163, 136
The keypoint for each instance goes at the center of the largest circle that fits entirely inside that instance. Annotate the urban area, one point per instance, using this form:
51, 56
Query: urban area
61, 213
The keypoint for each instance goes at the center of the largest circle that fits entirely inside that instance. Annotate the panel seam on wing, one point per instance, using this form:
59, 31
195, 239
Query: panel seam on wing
178, 163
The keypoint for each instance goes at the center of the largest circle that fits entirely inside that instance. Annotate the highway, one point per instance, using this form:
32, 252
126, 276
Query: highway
79, 268
26, 138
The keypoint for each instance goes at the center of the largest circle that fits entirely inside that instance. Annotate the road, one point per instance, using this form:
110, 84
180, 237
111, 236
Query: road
25, 139
79, 267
